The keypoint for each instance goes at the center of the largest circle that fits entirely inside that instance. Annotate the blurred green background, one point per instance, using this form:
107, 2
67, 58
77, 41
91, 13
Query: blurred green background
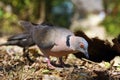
58, 12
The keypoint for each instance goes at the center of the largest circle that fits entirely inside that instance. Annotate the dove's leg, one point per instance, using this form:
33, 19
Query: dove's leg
50, 66
26, 54
61, 61
25, 51
47, 59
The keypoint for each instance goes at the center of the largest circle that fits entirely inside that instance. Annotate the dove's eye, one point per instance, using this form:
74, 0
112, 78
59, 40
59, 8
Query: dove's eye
81, 45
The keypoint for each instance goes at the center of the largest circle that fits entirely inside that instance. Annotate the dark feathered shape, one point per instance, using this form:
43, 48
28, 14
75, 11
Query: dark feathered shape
100, 50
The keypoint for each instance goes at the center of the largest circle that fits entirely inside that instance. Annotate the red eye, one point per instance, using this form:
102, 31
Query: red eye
81, 45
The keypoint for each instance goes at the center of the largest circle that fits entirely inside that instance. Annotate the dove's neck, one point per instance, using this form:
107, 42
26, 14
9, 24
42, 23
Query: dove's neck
68, 40
72, 42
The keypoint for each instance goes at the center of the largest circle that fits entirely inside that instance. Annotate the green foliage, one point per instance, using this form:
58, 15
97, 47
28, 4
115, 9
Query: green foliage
1, 13
61, 12
11, 11
6, 21
112, 21
57, 2
112, 25
52, 11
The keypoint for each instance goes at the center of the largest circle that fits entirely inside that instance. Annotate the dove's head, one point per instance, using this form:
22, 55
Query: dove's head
81, 45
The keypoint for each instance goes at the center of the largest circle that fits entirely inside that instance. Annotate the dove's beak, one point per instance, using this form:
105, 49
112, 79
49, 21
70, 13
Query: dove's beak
86, 54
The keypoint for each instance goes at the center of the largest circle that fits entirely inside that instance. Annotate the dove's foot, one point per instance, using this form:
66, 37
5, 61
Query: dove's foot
49, 65
62, 64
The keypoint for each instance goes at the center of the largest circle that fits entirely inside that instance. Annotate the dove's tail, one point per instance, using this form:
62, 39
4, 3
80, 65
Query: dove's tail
9, 43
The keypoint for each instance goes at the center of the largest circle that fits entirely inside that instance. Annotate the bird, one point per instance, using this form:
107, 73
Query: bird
55, 41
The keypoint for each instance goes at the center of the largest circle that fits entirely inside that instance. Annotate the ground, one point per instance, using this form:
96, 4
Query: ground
14, 66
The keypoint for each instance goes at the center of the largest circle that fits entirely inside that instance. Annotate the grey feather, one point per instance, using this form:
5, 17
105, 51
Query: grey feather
22, 40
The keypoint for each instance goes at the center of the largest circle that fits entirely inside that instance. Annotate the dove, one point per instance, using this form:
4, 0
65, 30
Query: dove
55, 41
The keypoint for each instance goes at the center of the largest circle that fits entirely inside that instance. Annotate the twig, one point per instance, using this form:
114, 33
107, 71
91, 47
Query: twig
89, 61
